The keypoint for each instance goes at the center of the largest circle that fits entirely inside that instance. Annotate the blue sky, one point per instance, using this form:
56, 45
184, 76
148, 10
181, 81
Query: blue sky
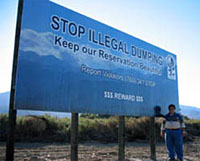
170, 25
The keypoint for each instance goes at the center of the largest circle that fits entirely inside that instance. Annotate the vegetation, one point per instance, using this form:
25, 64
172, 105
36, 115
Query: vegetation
91, 127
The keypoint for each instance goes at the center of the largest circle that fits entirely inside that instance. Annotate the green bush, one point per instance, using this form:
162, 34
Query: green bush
3, 126
98, 129
91, 127
137, 128
192, 127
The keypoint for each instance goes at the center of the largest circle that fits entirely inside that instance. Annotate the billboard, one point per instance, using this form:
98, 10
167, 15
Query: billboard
68, 62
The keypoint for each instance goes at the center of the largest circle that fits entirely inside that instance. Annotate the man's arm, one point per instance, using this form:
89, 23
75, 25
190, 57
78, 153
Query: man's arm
182, 125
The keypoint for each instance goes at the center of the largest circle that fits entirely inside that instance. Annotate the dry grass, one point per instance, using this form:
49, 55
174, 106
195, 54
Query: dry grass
46, 128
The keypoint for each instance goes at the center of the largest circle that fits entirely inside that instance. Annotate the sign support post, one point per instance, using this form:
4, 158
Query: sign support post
10, 146
74, 137
152, 138
121, 138
12, 111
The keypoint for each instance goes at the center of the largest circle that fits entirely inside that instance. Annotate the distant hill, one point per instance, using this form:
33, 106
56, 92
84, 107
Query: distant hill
189, 111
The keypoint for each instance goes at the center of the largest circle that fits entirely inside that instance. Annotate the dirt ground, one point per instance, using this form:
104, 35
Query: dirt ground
92, 151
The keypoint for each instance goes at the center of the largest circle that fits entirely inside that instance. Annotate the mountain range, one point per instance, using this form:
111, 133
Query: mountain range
189, 111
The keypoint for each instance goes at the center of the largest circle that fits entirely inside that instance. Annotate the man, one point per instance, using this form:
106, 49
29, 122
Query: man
173, 127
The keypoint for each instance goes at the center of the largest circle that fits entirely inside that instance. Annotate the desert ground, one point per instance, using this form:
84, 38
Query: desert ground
94, 151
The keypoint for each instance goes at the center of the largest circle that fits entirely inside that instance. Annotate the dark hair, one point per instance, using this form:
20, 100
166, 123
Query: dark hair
172, 105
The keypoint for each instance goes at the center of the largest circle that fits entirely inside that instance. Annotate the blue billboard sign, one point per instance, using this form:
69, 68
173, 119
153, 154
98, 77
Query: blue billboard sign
68, 62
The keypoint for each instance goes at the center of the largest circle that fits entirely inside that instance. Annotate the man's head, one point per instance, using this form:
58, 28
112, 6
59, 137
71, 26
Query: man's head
171, 108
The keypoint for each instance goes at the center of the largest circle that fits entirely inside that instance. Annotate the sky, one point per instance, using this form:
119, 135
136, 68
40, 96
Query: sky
171, 25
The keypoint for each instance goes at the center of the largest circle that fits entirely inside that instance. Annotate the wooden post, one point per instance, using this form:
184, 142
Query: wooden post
74, 137
121, 138
11, 135
12, 111
153, 138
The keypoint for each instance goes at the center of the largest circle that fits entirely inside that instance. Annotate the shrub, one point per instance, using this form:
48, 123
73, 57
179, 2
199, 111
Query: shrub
105, 129
3, 126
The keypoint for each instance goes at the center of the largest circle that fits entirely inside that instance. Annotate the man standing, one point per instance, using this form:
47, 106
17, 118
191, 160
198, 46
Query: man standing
173, 127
